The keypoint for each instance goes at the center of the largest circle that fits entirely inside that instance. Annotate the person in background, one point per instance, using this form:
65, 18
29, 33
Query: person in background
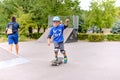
12, 29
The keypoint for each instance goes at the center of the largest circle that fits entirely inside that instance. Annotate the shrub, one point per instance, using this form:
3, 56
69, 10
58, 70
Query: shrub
82, 36
113, 37
36, 35
22, 38
95, 37
3, 37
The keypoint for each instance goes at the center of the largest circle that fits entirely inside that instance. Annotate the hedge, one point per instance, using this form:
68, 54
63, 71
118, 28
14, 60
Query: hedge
95, 37
91, 37
82, 36
113, 37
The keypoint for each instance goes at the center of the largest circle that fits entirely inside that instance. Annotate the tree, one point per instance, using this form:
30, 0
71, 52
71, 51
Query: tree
38, 10
3, 18
109, 11
118, 13
101, 14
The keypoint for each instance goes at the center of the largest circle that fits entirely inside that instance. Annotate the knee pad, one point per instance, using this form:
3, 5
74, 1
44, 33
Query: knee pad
56, 49
62, 51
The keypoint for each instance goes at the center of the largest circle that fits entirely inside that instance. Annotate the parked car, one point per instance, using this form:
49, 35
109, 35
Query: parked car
116, 28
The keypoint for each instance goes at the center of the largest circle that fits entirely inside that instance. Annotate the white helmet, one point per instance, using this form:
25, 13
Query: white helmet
56, 18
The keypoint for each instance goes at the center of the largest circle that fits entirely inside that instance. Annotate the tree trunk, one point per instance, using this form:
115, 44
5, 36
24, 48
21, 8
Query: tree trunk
38, 29
44, 28
30, 31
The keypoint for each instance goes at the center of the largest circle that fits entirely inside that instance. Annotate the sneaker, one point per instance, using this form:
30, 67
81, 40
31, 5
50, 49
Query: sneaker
56, 59
65, 60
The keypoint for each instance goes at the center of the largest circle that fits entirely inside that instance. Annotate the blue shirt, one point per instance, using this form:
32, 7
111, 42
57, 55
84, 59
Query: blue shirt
57, 33
15, 26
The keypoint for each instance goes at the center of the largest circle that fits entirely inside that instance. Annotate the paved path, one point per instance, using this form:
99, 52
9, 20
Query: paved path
87, 61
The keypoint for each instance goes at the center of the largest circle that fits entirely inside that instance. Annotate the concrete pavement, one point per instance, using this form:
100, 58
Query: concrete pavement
87, 61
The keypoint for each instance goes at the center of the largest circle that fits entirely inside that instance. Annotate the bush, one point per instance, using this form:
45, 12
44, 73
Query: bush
36, 35
82, 36
113, 37
23, 38
95, 37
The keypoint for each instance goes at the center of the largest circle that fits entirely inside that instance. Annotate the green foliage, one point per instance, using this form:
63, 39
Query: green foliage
101, 14
23, 38
82, 36
95, 37
91, 37
3, 19
25, 22
109, 11
34, 13
3, 37
113, 37
118, 12
98, 37
36, 35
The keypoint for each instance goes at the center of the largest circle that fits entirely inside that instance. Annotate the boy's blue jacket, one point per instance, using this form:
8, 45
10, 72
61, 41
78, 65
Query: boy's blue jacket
57, 33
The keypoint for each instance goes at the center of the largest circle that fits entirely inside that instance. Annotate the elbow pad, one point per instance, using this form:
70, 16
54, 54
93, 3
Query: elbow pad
49, 36
65, 26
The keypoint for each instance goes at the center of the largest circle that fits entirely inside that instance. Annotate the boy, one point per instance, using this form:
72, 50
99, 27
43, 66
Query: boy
58, 39
12, 29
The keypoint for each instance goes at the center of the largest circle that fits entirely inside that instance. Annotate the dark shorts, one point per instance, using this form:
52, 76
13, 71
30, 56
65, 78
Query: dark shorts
59, 46
13, 38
